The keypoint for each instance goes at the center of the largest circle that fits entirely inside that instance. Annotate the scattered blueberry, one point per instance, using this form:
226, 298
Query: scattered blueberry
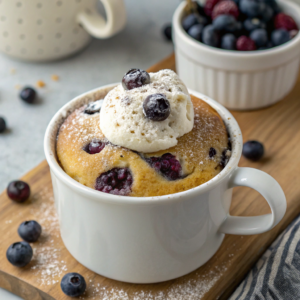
28, 94
167, 32
254, 23
156, 107
30, 231
252, 8
93, 107
167, 165
135, 78
280, 36
19, 254
94, 147
260, 37
196, 31
212, 152
253, 150
73, 284
18, 191
2, 125
228, 42
225, 23
117, 181
210, 36
225, 7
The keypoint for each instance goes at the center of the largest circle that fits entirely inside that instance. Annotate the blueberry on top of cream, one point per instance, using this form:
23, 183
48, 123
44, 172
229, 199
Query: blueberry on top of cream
140, 120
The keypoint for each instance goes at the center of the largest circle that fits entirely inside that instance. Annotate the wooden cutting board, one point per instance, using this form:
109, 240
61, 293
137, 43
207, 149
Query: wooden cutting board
278, 127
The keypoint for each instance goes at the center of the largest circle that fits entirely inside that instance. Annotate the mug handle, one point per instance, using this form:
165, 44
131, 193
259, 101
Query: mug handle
269, 188
95, 24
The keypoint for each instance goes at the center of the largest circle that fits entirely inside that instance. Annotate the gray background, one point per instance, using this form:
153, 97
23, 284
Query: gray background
104, 61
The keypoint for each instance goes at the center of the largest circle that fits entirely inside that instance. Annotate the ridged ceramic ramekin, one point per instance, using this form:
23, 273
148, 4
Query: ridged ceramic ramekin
238, 80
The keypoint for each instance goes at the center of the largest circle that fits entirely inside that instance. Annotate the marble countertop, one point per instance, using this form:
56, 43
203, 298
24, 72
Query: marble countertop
104, 61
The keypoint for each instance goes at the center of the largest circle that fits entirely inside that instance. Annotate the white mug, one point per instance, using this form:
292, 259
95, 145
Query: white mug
37, 30
153, 239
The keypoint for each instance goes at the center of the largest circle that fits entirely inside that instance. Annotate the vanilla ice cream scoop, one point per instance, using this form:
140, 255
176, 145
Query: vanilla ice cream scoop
148, 118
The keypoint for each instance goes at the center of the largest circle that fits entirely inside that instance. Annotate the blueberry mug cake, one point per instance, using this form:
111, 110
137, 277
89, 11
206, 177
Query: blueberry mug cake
147, 137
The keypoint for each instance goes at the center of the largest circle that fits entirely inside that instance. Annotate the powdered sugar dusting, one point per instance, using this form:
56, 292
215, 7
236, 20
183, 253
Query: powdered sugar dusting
47, 264
50, 258
185, 288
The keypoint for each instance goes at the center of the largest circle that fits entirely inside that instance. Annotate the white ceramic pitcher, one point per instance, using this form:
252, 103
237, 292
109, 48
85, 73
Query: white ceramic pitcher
40, 30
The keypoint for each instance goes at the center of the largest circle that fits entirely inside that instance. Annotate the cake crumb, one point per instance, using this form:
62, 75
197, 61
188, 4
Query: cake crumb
55, 77
18, 86
12, 71
40, 83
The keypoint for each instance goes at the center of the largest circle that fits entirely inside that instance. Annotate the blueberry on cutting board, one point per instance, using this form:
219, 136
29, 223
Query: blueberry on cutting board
253, 150
73, 284
30, 231
18, 191
19, 254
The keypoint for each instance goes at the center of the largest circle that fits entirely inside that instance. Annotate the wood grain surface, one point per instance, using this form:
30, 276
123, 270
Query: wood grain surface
278, 127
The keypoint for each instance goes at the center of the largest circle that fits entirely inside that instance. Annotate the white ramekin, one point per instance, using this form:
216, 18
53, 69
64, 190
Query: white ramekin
153, 239
238, 80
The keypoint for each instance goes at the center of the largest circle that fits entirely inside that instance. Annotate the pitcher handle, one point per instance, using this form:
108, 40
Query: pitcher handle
96, 25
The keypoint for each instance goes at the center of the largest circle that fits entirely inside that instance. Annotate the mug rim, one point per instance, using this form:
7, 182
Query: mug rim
230, 123
177, 17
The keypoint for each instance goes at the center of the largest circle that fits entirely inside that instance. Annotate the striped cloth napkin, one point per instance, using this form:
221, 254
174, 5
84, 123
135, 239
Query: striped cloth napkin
277, 273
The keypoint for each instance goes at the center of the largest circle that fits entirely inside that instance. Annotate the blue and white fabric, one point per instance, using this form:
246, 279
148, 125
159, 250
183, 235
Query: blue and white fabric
276, 275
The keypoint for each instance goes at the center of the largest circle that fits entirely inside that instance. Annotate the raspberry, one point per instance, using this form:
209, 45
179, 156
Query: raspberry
244, 43
285, 21
209, 6
227, 7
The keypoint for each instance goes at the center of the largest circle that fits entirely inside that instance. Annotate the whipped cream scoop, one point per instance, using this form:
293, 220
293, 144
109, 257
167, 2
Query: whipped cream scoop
125, 123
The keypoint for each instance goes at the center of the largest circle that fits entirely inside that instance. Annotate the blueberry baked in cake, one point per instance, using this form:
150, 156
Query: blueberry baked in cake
147, 137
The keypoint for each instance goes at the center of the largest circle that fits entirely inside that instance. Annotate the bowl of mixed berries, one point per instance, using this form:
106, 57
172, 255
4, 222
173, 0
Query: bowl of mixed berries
243, 53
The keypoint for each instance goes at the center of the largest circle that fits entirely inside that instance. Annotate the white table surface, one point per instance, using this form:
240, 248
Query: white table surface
103, 61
